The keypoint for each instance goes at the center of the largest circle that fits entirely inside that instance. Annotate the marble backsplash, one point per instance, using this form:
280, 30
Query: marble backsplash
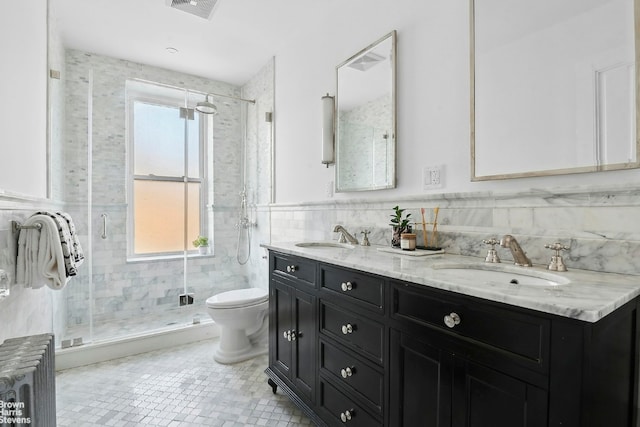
599, 224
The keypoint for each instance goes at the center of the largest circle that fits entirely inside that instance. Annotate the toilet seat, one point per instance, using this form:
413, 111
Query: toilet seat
238, 298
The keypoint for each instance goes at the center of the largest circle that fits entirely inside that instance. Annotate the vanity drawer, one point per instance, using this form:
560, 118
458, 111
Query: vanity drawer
354, 286
299, 268
340, 408
351, 371
522, 335
352, 328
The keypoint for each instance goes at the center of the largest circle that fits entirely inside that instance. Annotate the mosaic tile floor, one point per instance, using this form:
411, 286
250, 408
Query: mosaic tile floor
181, 386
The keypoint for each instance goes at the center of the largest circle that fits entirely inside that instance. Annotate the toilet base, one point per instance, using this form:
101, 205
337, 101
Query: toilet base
234, 347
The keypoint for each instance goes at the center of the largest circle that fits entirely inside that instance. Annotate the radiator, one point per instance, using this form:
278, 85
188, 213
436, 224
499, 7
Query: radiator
27, 381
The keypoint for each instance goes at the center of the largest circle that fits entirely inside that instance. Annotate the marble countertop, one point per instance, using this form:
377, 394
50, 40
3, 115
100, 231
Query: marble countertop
588, 296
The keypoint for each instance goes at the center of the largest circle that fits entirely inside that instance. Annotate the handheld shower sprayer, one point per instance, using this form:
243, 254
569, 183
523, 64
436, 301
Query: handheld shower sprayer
244, 223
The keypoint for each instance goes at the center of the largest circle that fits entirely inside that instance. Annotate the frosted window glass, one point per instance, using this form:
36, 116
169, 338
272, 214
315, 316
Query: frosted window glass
159, 216
159, 141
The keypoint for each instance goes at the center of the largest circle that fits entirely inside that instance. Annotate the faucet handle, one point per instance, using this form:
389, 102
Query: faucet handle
492, 255
365, 239
557, 263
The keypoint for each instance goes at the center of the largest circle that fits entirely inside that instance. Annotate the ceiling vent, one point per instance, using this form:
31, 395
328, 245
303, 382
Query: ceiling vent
366, 61
202, 8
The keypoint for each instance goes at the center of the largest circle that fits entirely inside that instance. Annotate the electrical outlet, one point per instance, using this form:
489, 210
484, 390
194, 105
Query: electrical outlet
435, 177
432, 177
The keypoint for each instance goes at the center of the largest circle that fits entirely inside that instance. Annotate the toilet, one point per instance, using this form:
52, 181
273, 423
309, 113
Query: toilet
241, 315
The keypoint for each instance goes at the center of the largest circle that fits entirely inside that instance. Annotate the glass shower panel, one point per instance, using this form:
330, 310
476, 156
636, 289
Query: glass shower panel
136, 269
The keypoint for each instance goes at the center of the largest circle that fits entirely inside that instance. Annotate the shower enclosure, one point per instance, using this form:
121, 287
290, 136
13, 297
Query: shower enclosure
143, 175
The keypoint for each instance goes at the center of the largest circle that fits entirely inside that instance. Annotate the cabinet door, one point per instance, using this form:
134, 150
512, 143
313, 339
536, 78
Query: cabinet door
420, 380
484, 397
281, 322
305, 343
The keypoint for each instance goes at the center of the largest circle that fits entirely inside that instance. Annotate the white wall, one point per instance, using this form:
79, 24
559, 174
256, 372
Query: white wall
433, 100
23, 96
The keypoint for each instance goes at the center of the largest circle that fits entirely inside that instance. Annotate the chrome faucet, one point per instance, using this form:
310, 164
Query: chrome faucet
519, 257
344, 235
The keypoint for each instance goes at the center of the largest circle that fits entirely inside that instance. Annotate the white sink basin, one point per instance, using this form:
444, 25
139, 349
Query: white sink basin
324, 245
502, 274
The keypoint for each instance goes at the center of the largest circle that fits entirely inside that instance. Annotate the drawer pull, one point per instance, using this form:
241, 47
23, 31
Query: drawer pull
346, 286
291, 268
451, 320
347, 329
346, 415
347, 372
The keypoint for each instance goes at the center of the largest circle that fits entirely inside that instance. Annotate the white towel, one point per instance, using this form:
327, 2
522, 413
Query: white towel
70, 246
40, 258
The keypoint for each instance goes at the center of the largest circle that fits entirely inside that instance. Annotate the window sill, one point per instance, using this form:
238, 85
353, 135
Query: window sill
160, 258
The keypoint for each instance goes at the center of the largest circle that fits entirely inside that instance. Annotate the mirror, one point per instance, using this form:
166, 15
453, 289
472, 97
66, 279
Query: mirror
553, 87
366, 118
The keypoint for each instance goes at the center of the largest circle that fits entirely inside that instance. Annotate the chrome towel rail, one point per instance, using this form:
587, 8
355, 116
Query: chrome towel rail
16, 226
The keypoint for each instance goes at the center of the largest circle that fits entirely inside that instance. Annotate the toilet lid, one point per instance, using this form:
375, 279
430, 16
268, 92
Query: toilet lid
238, 298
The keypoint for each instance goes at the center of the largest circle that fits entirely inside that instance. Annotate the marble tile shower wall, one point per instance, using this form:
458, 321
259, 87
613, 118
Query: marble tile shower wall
258, 165
600, 224
129, 289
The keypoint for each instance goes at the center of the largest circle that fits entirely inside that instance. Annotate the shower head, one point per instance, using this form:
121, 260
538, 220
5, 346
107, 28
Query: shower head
205, 107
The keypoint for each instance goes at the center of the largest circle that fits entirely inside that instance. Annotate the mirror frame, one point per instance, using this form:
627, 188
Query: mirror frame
563, 171
393, 178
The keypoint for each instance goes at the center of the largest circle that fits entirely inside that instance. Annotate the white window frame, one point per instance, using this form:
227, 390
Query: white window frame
177, 102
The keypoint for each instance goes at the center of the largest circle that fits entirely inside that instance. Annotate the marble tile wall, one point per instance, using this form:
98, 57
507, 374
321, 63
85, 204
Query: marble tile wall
259, 139
600, 224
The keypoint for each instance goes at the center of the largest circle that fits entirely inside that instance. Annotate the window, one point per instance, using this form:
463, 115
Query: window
167, 171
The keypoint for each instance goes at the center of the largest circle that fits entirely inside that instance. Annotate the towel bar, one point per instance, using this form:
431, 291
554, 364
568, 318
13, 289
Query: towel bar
16, 226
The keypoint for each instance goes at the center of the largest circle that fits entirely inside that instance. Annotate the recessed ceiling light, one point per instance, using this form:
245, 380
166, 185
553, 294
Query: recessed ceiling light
172, 50
193, 3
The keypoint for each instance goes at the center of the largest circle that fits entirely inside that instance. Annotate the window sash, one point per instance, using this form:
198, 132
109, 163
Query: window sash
201, 181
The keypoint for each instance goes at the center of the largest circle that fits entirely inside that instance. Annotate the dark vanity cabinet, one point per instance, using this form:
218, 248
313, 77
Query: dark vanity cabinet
367, 350
293, 327
469, 362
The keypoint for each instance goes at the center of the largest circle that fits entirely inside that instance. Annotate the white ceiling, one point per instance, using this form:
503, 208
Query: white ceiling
238, 40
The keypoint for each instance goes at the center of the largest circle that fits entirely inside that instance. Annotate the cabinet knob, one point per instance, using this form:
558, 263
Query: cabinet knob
451, 320
347, 329
291, 268
289, 335
346, 372
346, 415
346, 286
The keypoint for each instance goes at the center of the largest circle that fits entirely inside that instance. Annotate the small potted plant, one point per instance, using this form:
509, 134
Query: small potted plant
202, 243
399, 224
